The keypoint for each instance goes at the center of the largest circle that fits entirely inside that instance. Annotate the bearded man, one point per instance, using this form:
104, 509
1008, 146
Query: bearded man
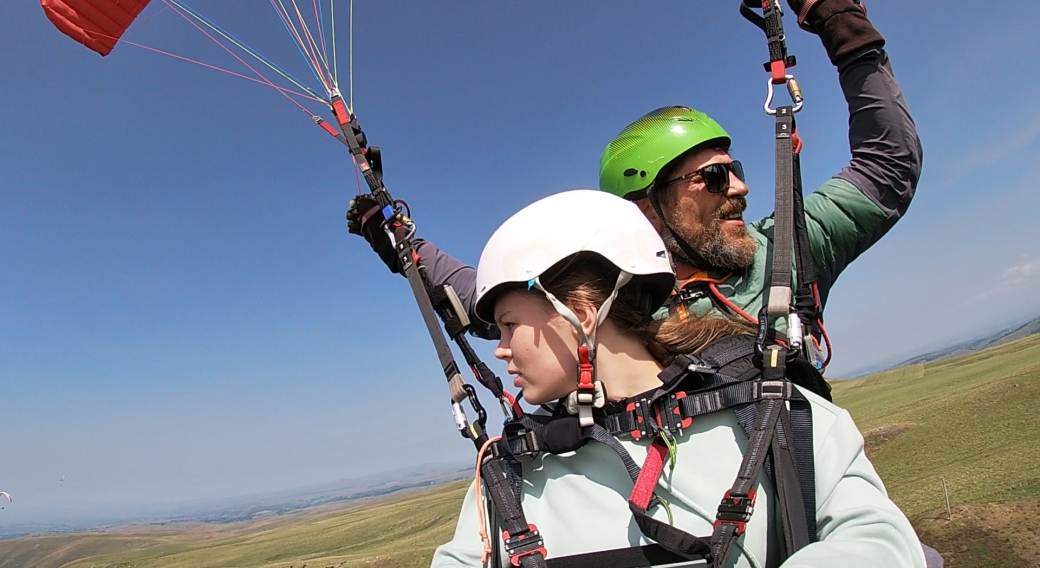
674, 163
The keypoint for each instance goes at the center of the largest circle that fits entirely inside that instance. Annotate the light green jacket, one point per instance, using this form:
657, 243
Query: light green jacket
578, 500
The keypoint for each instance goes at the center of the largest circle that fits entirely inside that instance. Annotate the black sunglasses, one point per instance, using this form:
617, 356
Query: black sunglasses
715, 176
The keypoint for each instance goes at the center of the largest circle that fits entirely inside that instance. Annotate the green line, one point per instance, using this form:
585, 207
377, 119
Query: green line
335, 65
310, 39
303, 47
246, 49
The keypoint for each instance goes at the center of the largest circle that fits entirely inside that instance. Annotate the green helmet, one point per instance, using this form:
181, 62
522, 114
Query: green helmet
632, 161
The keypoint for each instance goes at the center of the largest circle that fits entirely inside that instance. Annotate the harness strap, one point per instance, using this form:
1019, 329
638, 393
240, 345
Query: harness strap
633, 557
559, 436
783, 233
670, 538
780, 442
639, 422
523, 542
802, 435
738, 503
788, 488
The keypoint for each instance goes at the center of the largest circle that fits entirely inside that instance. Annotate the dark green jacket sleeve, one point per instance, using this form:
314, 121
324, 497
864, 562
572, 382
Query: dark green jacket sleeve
855, 208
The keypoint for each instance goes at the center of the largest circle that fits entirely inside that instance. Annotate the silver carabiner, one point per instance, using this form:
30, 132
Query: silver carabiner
792, 89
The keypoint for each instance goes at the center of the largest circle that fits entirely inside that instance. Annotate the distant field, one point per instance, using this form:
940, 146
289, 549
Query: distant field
387, 532
971, 420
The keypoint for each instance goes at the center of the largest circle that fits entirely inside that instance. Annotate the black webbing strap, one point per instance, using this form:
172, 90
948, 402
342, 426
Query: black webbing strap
783, 217
634, 557
805, 266
802, 435
511, 515
788, 488
538, 437
676, 541
731, 395
738, 503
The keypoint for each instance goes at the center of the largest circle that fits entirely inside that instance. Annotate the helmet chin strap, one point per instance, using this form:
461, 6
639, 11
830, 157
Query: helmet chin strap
688, 255
590, 393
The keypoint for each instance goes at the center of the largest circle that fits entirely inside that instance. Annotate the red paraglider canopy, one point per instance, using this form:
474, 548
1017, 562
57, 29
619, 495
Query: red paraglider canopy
97, 24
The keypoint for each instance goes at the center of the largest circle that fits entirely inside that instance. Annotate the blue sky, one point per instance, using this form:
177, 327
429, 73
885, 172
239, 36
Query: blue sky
184, 316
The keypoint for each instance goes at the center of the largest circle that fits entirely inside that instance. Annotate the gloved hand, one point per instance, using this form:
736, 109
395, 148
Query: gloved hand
365, 218
841, 24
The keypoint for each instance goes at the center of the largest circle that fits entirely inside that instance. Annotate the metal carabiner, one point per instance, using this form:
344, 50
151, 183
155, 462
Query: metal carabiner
792, 89
475, 430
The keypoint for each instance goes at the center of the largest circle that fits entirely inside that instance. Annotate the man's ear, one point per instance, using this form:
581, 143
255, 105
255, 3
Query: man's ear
651, 215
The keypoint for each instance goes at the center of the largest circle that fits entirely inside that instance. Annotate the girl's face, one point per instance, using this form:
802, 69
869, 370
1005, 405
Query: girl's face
539, 346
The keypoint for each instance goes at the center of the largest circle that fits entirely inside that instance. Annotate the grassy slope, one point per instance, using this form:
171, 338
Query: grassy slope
974, 421
970, 420
398, 532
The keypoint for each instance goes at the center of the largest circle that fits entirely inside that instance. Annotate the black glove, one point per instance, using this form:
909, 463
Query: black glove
841, 24
365, 218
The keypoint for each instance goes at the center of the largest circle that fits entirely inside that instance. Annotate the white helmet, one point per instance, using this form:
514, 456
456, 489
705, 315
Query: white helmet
559, 226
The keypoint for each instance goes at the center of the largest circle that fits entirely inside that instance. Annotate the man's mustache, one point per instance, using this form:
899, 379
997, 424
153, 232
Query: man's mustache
733, 207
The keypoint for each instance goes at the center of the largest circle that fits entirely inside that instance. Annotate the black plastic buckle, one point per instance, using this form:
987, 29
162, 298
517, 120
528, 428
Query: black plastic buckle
518, 442
736, 511
524, 544
669, 414
644, 420
690, 294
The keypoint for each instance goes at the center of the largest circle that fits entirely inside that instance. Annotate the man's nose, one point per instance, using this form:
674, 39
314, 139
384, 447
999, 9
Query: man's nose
737, 188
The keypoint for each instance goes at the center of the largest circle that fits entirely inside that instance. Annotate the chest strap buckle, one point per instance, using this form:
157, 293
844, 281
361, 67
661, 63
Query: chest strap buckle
736, 511
524, 544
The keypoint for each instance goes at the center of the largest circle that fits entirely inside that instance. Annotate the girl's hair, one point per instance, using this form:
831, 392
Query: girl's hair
587, 280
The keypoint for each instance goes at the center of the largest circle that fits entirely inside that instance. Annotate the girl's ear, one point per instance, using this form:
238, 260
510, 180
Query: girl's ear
587, 316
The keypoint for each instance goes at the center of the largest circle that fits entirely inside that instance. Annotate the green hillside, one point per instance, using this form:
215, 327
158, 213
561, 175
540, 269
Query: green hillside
399, 532
970, 420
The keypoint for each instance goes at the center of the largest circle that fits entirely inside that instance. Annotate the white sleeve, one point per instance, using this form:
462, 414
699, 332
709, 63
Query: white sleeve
465, 549
858, 525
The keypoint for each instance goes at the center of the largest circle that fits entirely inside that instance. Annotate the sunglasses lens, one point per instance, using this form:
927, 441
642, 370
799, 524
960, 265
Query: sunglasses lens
716, 178
738, 169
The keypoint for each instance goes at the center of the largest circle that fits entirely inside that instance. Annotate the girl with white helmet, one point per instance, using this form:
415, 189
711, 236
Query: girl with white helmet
572, 281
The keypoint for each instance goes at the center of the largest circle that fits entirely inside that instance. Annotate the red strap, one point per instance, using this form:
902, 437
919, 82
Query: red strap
340, 109
584, 369
328, 128
648, 475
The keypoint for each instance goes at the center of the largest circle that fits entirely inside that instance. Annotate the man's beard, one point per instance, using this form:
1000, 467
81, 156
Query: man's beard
729, 250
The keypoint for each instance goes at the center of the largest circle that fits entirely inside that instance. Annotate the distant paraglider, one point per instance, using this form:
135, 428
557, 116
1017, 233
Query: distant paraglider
6, 494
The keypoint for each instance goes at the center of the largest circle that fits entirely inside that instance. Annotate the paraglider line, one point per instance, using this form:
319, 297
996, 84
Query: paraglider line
305, 48
233, 54
282, 90
321, 32
291, 29
351, 55
240, 45
154, 15
335, 65
312, 46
